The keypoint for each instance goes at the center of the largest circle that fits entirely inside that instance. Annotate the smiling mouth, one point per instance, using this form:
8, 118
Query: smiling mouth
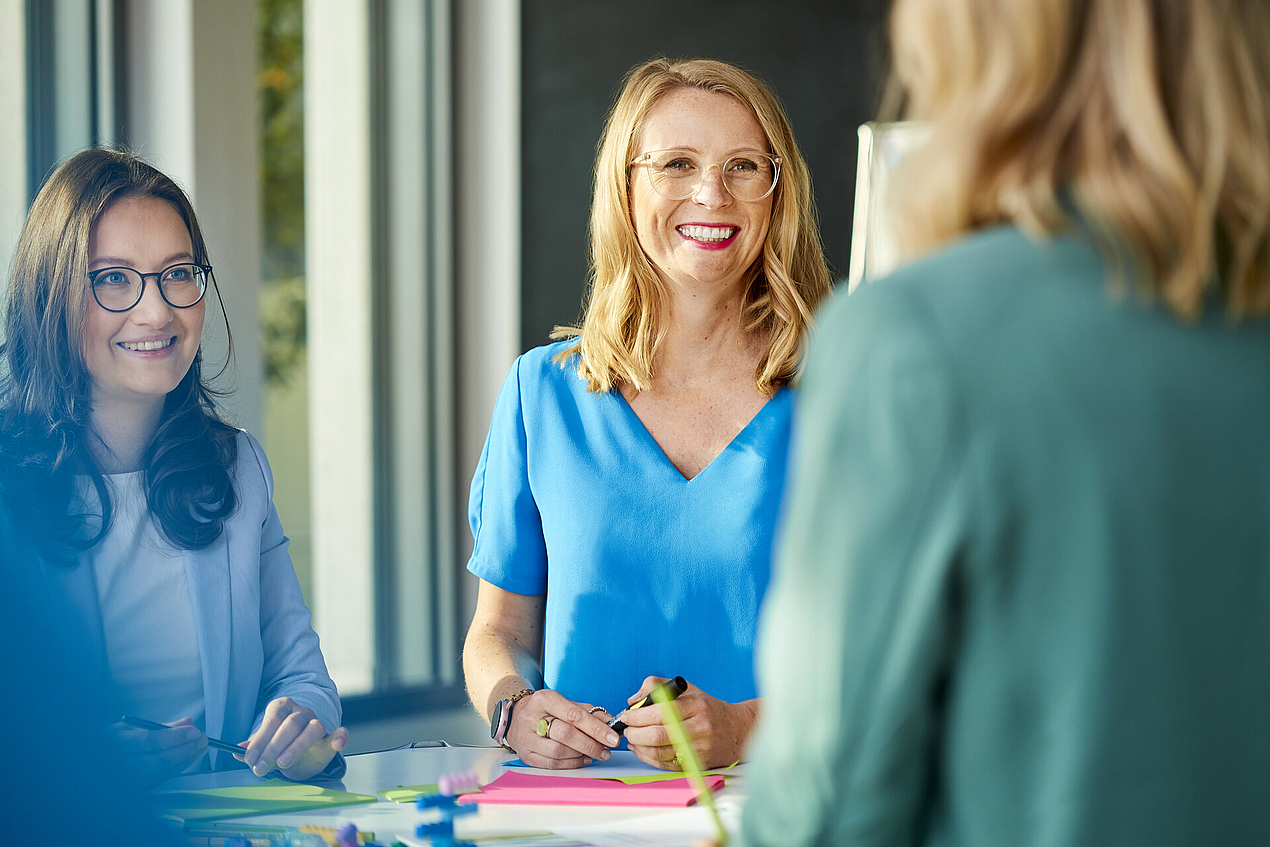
143, 346
708, 234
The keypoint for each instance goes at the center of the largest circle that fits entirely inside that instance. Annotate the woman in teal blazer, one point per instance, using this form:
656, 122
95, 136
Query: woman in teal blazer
153, 518
1022, 594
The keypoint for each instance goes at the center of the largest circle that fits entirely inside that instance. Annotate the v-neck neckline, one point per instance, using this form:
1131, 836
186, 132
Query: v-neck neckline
644, 433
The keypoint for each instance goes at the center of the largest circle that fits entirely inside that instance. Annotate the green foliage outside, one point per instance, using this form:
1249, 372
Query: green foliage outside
282, 326
280, 28
280, 87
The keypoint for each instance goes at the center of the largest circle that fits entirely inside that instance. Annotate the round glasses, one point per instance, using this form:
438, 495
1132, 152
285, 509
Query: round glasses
119, 289
678, 174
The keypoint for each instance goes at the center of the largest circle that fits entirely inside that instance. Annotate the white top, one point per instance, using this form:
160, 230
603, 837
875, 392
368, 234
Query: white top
146, 613
251, 625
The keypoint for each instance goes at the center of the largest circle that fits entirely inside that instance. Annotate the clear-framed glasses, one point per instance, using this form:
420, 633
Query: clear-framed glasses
677, 174
119, 289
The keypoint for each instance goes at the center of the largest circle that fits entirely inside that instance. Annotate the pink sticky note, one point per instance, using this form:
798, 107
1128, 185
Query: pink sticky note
531, 789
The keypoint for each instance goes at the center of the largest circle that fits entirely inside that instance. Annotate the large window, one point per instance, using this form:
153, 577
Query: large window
14, 186
379, 280
280, 82
316, 141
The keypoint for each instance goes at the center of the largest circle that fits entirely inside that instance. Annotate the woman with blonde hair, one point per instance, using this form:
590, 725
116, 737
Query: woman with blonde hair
151, 515
1025, 578
624, 505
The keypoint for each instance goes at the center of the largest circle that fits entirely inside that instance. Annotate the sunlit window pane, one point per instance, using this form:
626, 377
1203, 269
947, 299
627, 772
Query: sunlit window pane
282, 308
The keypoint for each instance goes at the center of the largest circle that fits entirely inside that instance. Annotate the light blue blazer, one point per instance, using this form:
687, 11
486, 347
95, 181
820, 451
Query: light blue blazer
254, 635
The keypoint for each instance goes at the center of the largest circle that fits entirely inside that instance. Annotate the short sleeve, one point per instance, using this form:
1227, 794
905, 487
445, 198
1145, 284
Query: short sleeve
509, 550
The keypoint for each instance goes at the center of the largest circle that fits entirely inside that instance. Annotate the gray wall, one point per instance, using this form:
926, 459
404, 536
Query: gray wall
826, 61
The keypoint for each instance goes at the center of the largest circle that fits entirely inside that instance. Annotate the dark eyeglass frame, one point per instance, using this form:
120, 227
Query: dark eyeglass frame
205, 269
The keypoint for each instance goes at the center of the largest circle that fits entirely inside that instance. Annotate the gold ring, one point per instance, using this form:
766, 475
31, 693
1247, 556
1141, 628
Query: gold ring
544, 725
679, 762
594, 709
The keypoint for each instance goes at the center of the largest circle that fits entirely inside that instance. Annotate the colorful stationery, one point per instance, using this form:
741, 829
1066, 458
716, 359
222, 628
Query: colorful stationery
269, 797
623, 765
407, 793
410, 793
664, 775
514, 787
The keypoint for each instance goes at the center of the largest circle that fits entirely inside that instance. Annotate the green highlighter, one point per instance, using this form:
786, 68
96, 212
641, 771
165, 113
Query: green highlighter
687, 755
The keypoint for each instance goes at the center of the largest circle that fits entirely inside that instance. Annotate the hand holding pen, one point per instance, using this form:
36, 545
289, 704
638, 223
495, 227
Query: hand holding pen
674, 687
718, 729
142, 723
155, 754
290, 738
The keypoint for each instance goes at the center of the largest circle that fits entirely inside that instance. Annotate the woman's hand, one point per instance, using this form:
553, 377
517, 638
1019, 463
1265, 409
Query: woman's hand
718, 729
292, 739
158, 754
575, 736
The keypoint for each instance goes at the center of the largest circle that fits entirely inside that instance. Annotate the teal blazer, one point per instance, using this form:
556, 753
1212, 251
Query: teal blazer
1022, 592
254, 635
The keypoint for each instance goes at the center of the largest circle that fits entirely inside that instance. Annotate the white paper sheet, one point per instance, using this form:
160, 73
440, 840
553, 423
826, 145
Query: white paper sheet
680, 828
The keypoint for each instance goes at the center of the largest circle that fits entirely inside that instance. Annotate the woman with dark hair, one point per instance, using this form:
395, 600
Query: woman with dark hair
153, 518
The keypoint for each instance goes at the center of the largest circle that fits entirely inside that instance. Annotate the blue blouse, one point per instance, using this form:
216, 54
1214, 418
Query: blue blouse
645, 572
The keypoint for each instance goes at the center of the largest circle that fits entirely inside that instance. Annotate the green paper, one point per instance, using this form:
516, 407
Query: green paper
408, 793
265, 798
658, 777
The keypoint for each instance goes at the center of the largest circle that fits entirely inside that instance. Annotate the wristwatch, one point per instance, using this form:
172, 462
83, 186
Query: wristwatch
502, 720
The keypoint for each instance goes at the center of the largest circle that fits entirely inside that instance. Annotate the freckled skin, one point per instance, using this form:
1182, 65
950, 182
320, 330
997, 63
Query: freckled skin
702, 395
715, 126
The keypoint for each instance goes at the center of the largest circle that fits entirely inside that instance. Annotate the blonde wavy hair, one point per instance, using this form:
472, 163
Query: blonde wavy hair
624, 322
1148, 120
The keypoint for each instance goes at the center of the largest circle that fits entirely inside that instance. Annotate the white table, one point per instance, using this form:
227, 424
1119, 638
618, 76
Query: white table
370, 773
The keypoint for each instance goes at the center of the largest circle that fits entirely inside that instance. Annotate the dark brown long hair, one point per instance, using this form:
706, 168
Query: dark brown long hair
45, 385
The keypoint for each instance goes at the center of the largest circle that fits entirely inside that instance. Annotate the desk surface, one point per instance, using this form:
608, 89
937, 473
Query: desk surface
370, 773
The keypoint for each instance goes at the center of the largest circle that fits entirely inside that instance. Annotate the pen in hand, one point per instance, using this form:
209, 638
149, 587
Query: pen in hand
673, 687
142, 723
686, 755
